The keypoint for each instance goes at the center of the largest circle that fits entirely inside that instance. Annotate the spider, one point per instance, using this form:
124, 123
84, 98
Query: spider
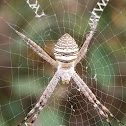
67, 55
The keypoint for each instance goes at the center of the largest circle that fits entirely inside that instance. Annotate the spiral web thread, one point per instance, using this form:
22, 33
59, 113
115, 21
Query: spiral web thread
21, 90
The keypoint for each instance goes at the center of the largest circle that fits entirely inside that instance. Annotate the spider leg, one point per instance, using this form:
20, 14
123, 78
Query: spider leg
35, 47
93, 21
92, 98
97, 101
83, 49
43, 100
36, 115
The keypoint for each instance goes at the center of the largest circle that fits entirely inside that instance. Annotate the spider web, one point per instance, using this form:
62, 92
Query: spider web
24, 75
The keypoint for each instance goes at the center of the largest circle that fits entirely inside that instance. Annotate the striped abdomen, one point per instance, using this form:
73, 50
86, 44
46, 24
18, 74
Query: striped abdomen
66, 49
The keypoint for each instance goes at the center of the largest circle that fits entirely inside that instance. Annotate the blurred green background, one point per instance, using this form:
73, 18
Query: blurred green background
24, 75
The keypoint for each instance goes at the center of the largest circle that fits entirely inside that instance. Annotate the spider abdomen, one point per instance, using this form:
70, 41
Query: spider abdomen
66, 49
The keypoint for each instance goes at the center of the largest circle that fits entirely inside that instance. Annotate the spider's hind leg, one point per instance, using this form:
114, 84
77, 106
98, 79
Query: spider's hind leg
104, 112
107, 111
29, 115
101, 105
42, 101
88, 94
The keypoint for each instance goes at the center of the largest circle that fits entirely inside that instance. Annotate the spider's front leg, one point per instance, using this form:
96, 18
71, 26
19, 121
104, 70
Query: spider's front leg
36, 48
93, 21
42, 101
92, 98
83, 49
